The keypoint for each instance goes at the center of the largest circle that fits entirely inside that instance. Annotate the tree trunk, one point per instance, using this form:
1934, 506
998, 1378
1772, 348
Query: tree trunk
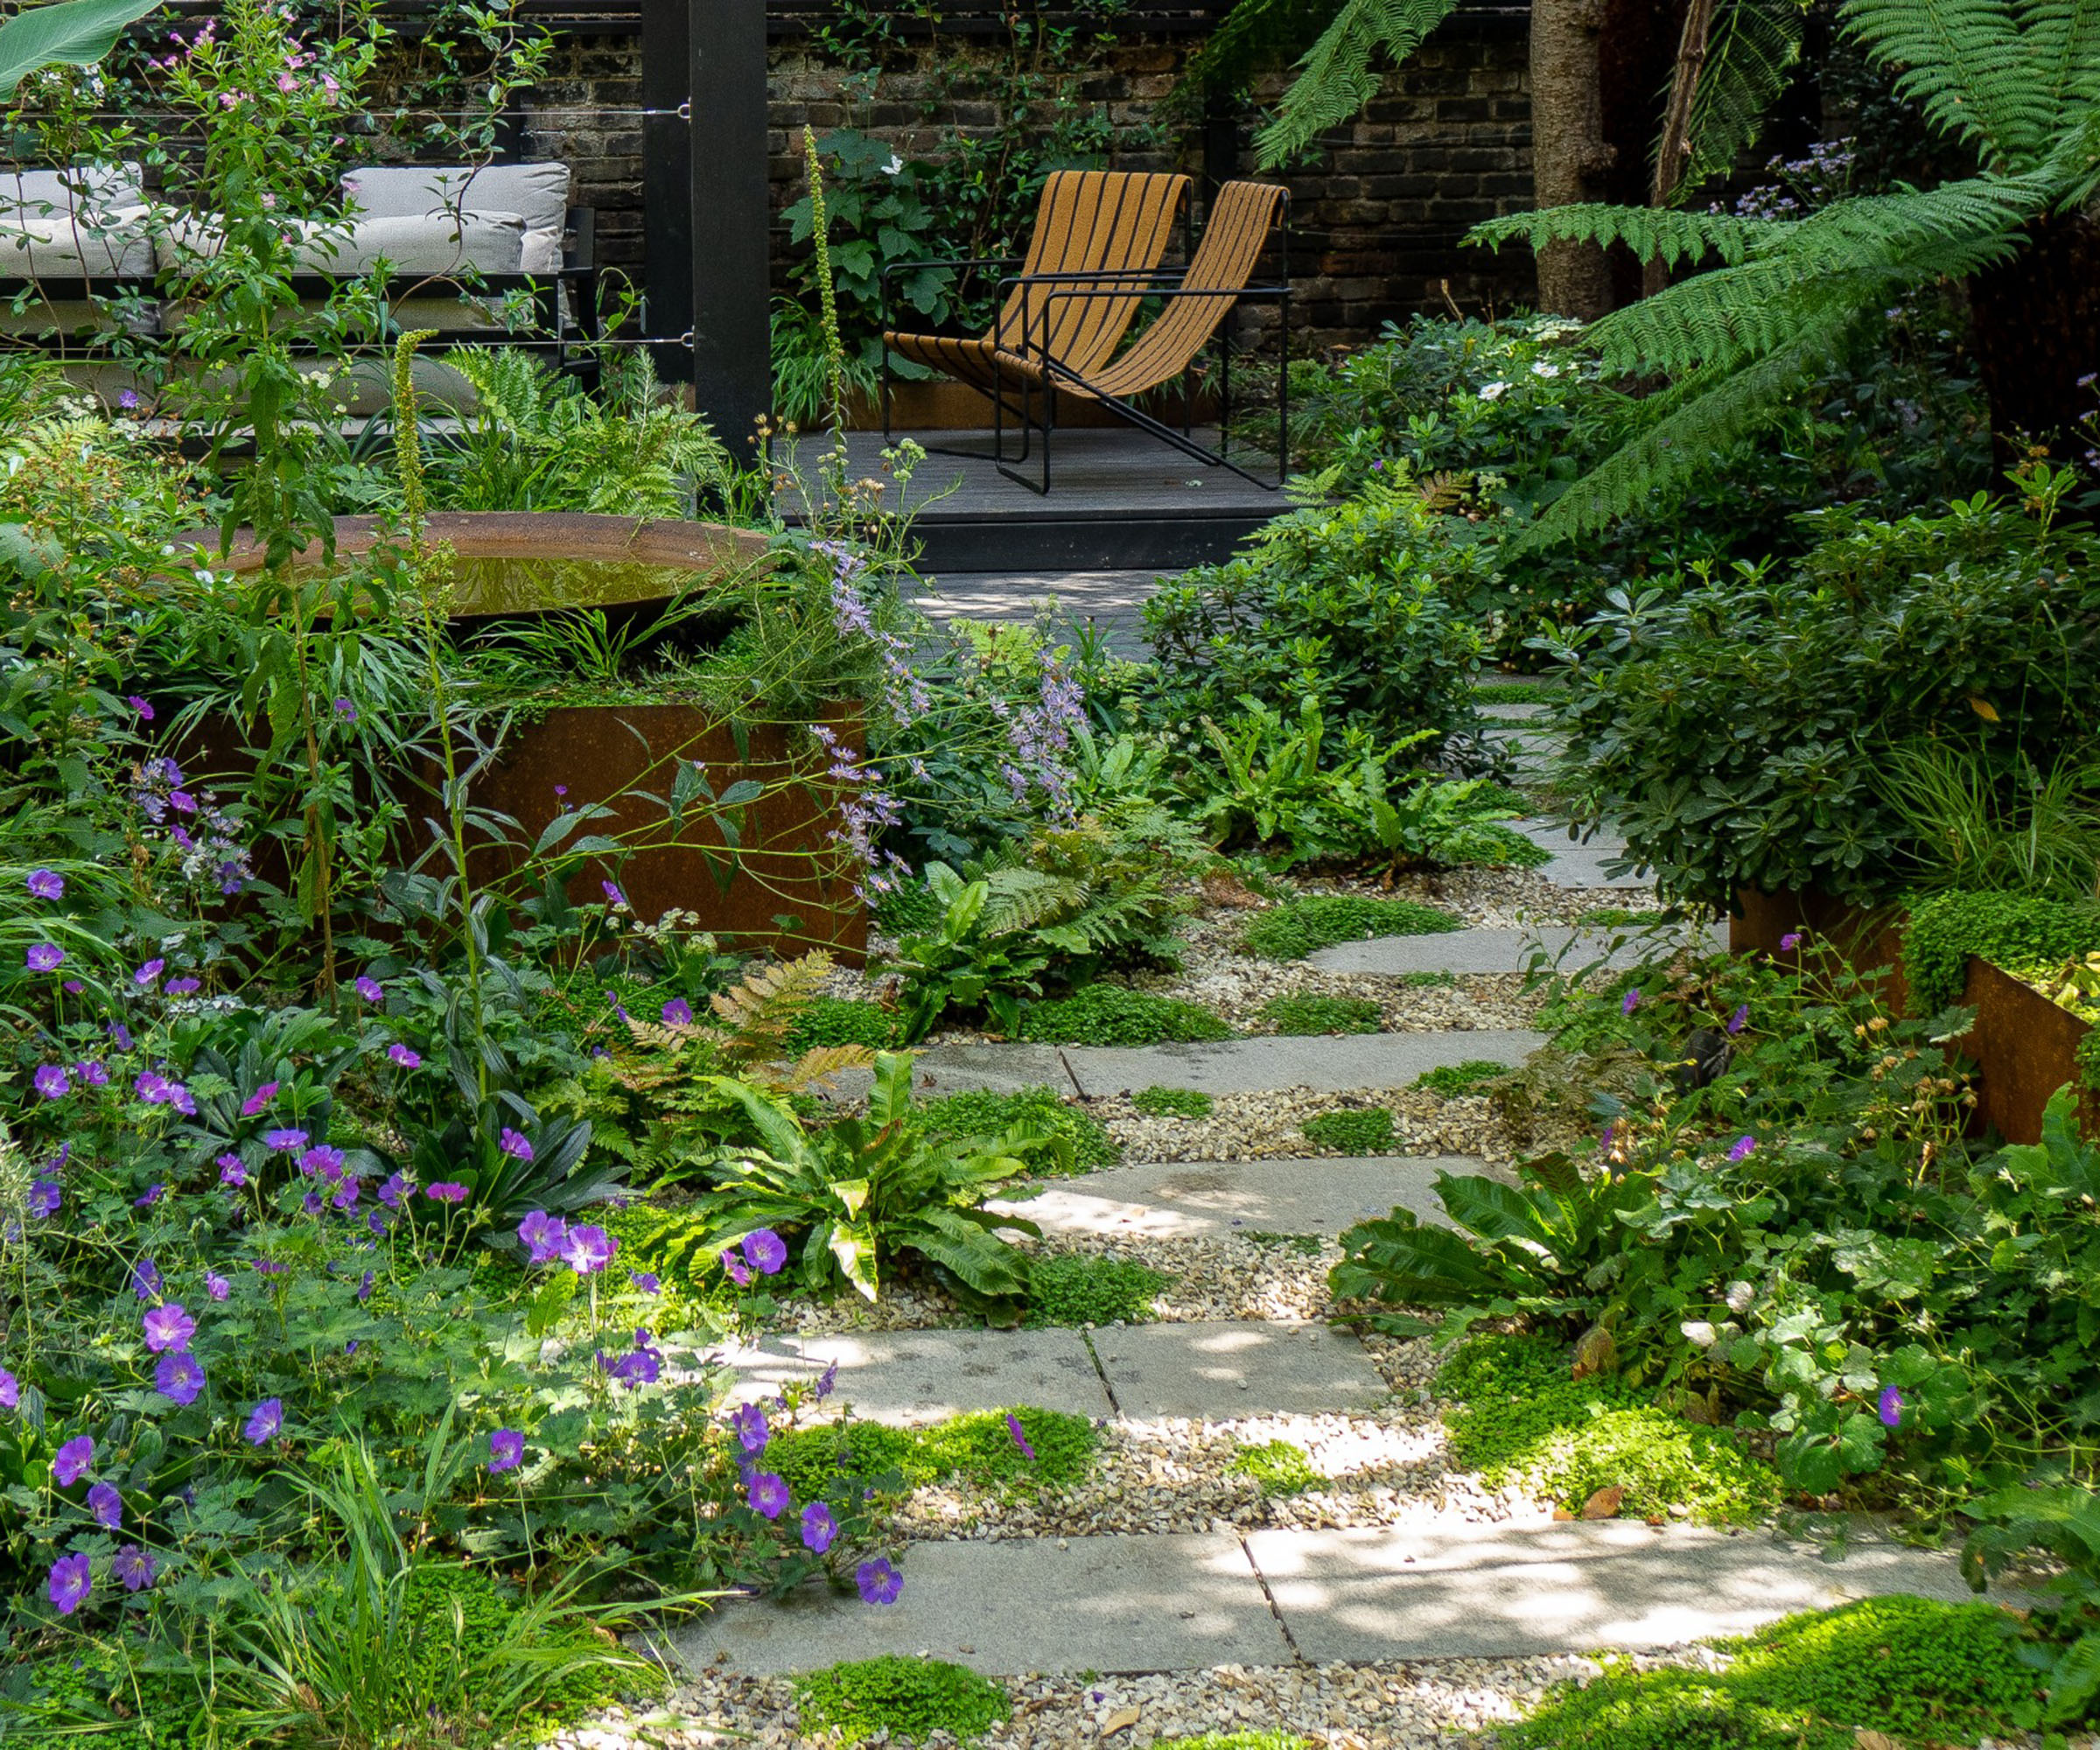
1569, 156
2034, 326
1673, 148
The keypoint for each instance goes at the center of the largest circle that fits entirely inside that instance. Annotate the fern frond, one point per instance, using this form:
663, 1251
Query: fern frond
1648, 231
1750, 56
815, 1065
1337, 77
1255, 35
758, 1011
1025, 899
2004, 75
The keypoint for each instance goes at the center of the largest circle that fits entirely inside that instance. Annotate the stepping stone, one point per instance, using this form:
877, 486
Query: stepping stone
1229, 1371
1507, 950
1176, 1603
1495, 1594
1002, 1068
904, 1377
1192, 1200
1580, 864
1515, 711
1253, 1066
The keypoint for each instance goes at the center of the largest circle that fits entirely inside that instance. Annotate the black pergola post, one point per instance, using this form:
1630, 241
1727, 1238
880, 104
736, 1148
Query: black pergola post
667, 183
732, 267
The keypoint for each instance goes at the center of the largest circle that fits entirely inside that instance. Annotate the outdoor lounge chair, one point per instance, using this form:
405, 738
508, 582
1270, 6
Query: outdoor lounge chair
1242, 217
1089, 222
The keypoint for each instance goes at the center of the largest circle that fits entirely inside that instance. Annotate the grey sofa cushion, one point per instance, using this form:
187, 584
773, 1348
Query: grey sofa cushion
34, 195
75, 247
538, 192
444, 243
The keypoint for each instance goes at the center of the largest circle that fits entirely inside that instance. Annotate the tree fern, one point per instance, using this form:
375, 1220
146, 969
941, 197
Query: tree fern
1749, 58
1339, 75
1647, 231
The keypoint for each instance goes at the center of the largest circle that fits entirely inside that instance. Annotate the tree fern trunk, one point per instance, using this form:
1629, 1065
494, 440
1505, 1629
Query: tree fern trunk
2035, 329
1569, 155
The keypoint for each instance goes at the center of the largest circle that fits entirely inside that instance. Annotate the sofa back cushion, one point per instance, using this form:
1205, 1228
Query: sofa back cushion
537, 192
30, 196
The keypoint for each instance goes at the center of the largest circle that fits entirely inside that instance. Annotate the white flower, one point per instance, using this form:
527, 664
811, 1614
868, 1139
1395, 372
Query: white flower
1699, 1331
1739, 1296
895, 164
1543, 370
1494, 391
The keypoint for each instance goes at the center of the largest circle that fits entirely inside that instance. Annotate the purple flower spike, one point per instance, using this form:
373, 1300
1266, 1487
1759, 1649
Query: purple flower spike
43, 956
70, 1583
179, 1377
169, 1328
506, 1451
768, 1494
1744, 1145
827, 1382
1890, 1407
69, 1464
766, 1252
878, 1581
45, 884
107, 1505
1020, 1439
819, 1527
133, 1567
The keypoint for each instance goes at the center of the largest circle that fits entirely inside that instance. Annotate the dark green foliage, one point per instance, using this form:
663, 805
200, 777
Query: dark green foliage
910, 1699
1306, 1245
2061, 1522
1489, 694
1453, 1080
1303, 926
1077, 1288
1351, 1132
1305, 1013
1173, 1103
832, 1020
838, 1460
1918, 1671
1114, 1014
2007, 929
1277, 1466
1782, 690
1429, 980
982, 1113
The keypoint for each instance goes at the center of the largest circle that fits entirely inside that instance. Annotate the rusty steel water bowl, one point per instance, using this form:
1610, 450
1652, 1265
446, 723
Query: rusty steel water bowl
789, 891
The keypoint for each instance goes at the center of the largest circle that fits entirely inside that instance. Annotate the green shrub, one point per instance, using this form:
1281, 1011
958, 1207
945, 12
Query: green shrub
836, 1461
833, 1021
908, 1698
1351, 1132
982, 1113
1489, 694
1070, 1288
2006, 930
1173, 1103
1113, 1014
1279, 1466
1305, 1013
1905, 1667
1303, 926
1449, 1080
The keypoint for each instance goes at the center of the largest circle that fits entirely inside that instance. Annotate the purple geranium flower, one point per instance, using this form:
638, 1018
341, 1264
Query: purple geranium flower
1744, 1145
734, 1267
182, 987
1738, 1019
506, 1451
107, 1505
145, 1279
1630, 1001
542, 1235
43, 956
93, 1072
768, 1494
614, 896
264, 1422
46, 883
402, 1055
285, 1141
179, 1377
766, 1252
368, 988
1890, 1407
10, 1390
445, 1191
148, 972
589, 1249
45, 1197
819, 1527
144, 711
324, 1160
133, 1567
216, 1286
232, 1170
678, 1013
169, 1328
1790, 942
878, 1581
149, 1196
513, 1143
53, 1082
70, 1583
396, 1188
1020, 1439
749, 1423
252, 1107
646, 1280
69, 1464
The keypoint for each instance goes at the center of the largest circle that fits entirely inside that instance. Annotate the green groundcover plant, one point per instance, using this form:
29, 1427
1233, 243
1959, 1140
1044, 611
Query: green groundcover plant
1303, 926
895, 1696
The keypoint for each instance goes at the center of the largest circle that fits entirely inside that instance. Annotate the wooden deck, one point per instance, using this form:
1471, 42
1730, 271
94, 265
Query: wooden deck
1118, 500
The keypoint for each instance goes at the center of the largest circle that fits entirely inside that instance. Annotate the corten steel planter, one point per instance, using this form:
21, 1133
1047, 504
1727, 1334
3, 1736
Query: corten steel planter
784, 864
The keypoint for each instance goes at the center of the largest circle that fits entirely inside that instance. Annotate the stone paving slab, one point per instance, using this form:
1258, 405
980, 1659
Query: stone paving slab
1253, 1066
1489, 1593
1223, 1371
1507, 950
1580, 864
915, 1377
1203, 1200
1172, 1603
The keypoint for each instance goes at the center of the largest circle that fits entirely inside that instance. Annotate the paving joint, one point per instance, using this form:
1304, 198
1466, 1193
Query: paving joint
1274, 1609
1107, 1385
1071, 1075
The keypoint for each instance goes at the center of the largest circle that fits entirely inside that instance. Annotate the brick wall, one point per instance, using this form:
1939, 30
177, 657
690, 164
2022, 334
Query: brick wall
1375, 219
